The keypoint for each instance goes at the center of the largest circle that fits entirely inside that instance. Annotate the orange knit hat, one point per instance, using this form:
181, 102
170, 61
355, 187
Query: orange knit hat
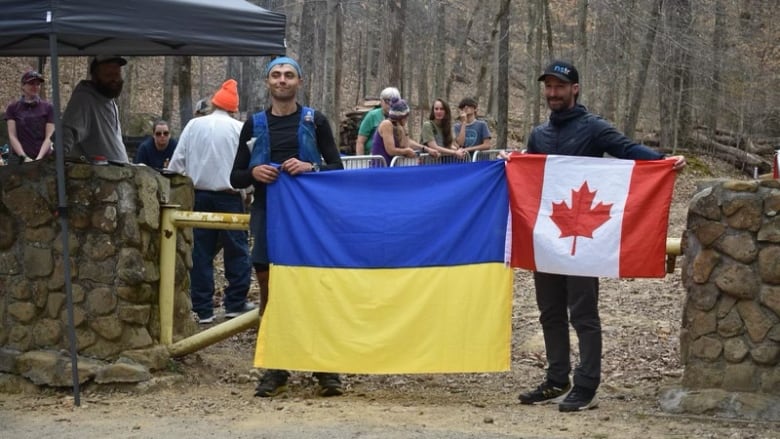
227, 96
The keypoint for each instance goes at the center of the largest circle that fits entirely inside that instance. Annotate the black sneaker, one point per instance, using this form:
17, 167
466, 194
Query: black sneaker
580, 398
545, 393
330, 384
272, 383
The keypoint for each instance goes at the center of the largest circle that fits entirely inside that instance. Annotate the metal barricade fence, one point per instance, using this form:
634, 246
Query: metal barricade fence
363, 161
427, 159
486, 154
400, 160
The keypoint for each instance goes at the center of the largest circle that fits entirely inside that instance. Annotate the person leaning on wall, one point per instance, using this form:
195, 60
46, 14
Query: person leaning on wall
91, 124
30, 121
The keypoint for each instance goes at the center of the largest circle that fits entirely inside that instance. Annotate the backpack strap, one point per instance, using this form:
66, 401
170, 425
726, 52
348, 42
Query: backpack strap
261, 151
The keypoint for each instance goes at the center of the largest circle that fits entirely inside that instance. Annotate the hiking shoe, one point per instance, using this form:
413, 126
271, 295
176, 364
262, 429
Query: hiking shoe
272, 383
580, 398
248, 306
330, 384
546, 393
206, 320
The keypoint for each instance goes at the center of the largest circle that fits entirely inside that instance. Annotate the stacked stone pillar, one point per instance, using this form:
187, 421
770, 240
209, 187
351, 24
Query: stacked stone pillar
730, 337
114, 243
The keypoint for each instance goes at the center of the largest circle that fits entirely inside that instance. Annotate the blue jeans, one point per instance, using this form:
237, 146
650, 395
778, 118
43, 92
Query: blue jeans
235, 247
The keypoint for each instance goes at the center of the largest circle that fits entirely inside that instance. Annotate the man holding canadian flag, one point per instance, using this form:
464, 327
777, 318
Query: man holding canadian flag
588, 223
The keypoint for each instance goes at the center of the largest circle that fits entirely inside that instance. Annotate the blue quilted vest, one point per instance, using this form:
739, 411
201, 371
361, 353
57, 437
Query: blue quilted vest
307, 139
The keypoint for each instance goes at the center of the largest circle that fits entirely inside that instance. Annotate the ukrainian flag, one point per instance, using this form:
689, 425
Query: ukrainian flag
389, 270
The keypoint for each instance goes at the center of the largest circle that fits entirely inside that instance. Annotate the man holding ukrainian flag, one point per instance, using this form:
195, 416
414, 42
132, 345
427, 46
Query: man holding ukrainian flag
287, 139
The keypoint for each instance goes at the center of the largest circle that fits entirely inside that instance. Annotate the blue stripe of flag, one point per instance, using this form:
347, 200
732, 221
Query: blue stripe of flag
417, 216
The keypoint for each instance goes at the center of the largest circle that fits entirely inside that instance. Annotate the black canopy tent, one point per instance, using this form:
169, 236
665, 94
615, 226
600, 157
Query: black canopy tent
132, 28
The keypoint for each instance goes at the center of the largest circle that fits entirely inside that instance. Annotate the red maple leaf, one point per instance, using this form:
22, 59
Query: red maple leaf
580, 219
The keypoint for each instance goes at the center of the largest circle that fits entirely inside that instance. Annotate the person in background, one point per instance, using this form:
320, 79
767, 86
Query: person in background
205, 153
30, 121
471, 134
437, 131
392, 138
156, 151
372, 119
202, 108
298, 139
561, 299
90, 123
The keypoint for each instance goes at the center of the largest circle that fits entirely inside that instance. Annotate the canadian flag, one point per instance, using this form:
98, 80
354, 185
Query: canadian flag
589, 216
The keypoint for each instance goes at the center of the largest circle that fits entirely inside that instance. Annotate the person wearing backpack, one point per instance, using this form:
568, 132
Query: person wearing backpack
288, 137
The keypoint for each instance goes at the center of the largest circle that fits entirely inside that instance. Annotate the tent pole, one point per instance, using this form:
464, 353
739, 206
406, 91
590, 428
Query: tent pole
62, 212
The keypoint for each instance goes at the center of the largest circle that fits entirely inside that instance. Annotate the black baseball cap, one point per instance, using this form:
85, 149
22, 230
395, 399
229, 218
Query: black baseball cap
562, 70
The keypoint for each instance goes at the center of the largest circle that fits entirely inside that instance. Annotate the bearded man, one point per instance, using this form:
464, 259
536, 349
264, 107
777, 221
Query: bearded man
91, 129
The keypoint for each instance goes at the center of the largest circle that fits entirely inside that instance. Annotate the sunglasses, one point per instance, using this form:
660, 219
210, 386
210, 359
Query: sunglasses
162, 133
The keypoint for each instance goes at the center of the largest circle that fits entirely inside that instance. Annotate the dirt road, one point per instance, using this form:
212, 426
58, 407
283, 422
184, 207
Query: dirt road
209, 394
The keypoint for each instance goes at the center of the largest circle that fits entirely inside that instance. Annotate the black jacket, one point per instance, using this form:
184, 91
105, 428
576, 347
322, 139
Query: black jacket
578, 132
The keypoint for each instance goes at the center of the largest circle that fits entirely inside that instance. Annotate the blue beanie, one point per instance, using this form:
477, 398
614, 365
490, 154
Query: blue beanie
283, 60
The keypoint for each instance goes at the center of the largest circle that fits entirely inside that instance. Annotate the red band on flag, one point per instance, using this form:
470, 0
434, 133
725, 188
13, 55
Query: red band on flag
524, 204
645, 220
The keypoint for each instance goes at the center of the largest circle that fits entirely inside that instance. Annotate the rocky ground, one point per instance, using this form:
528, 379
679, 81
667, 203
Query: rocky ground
209, 393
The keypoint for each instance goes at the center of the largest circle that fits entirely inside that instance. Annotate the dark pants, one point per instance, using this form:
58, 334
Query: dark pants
555, 293
235, 247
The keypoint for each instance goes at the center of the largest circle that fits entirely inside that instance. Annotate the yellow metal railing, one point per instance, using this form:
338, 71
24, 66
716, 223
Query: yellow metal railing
172, 218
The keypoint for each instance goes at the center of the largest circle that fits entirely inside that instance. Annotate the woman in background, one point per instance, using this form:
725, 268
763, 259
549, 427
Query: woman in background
30, 121
392, 139
437, 131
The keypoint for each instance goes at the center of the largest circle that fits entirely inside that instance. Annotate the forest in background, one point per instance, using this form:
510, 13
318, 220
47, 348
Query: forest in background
692, 74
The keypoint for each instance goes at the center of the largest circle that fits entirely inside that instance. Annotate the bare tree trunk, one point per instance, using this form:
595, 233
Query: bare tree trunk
460, 50
338, 74
502, 94
629, 125
233, 69
168, 74
362, 68
682, 26
440, 49
548, 28
383, 38
306, 55
666, 107
533, 48
675, 76
394, 59
713, 107
627, 48
318, 69
125, 100
487, 58
254, 93
582, 43
613, 47
332, 68
423, 93
185, 89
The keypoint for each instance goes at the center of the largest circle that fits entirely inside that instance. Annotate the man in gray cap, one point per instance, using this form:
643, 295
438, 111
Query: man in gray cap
91, 129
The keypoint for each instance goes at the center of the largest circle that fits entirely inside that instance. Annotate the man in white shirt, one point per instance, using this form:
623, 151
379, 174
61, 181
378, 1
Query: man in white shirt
205, 153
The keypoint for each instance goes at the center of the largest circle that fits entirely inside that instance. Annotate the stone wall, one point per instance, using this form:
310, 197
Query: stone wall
730, 337
114, 243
